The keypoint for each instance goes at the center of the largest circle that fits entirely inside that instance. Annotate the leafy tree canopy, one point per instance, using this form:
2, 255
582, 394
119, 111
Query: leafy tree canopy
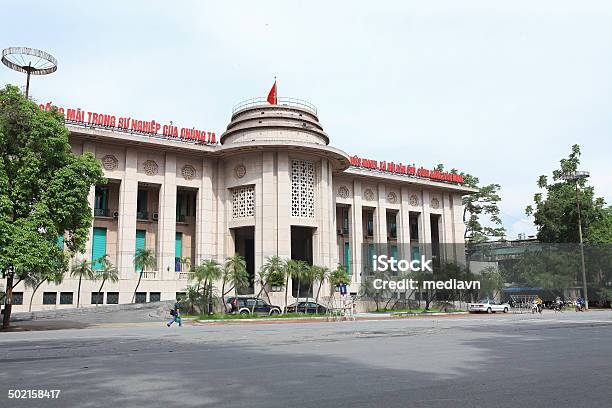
481, 210
556, 214
43, 188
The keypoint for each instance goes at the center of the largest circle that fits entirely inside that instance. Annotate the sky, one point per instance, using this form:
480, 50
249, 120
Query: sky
500, 90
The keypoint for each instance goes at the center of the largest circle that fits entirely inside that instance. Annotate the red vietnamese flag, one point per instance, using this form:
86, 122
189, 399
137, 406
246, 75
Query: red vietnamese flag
272, 97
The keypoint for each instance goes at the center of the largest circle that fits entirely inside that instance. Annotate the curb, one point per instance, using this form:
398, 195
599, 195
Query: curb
324, 318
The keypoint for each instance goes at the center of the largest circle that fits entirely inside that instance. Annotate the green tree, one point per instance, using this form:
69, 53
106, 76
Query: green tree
479, 205
35, 280
205, 274
320, 276
44, 190
272, 273
82, 270
143, 259
107, 273
555, 213
296, 270
339, 276
236, 272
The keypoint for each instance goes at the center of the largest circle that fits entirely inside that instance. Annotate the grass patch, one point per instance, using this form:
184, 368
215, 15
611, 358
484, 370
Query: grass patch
223, 316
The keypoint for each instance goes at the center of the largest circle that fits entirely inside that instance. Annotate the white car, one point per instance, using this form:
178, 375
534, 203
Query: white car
489, 306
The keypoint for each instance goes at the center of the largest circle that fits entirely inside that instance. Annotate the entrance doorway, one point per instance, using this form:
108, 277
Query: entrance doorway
301, 249
244, 239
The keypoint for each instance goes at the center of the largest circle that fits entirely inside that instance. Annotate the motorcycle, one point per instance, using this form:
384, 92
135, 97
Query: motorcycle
580, 307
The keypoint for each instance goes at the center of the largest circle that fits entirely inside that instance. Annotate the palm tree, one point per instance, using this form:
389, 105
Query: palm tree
295, 270
272, 273
107, 273
35, 280
205, 274
185, 264
321, 274
143, 259
82, 270
339, 277
236, 273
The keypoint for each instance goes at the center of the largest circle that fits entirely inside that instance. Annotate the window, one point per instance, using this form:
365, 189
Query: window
392, 225
66, 298
98, 247
49, 298
180, 295
243, 202
60, 242
178, 251
140, 241
181, 207
370, 224
18, 298
101, 202
141, 205
112, 298
141, 297
302, 189
154, 297
347, 257
97, 298
414, 226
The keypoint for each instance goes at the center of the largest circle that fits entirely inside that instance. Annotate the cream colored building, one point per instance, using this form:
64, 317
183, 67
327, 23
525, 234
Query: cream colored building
273, 186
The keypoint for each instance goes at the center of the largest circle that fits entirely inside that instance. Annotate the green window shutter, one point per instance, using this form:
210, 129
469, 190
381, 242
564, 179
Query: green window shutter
140, 240
347, 257
178, 245
416, 253
371, 253
394, 251
178, 251
60, 242
98, 246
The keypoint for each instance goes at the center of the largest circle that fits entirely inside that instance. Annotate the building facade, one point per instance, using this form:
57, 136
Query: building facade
273, 186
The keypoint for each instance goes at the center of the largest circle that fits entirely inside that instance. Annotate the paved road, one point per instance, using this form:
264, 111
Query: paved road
553, 360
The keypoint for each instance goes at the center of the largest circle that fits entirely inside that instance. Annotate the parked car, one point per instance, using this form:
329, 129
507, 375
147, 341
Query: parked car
489, 306
308, 307
244, 304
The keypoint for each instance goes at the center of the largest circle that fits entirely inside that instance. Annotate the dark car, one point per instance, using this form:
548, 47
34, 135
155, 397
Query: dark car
306, 307
244, 304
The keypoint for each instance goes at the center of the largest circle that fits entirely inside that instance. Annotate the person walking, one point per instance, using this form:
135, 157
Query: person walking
175, 312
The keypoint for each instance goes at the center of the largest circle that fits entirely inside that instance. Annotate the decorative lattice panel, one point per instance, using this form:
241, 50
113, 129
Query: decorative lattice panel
302, 189
243, 202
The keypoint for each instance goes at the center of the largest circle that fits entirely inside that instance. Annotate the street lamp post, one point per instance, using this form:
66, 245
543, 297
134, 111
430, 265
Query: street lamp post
577, 176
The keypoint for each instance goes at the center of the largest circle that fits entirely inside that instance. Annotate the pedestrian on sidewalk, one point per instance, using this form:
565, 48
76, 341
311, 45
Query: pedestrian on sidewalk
175, 312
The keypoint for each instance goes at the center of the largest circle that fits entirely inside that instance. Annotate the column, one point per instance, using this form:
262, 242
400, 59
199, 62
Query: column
89, 147
166, 227
205, 214
380, 229
356, 233
221, 230
404, 224
284, 210
126, 234
425, 225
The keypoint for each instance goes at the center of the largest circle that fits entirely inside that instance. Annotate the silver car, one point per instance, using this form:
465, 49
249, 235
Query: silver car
489, 306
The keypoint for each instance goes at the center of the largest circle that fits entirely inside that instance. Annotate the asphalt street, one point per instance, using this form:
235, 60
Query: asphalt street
550, 360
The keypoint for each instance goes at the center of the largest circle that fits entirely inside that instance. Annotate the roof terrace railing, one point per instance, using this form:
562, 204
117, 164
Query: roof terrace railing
282, 101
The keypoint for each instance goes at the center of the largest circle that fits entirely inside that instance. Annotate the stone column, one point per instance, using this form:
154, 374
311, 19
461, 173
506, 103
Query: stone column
404, 224
166, 227
126, 234
425, 225
356, 233
89, 147
205, 214
380, 229
221, 231
284, 210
